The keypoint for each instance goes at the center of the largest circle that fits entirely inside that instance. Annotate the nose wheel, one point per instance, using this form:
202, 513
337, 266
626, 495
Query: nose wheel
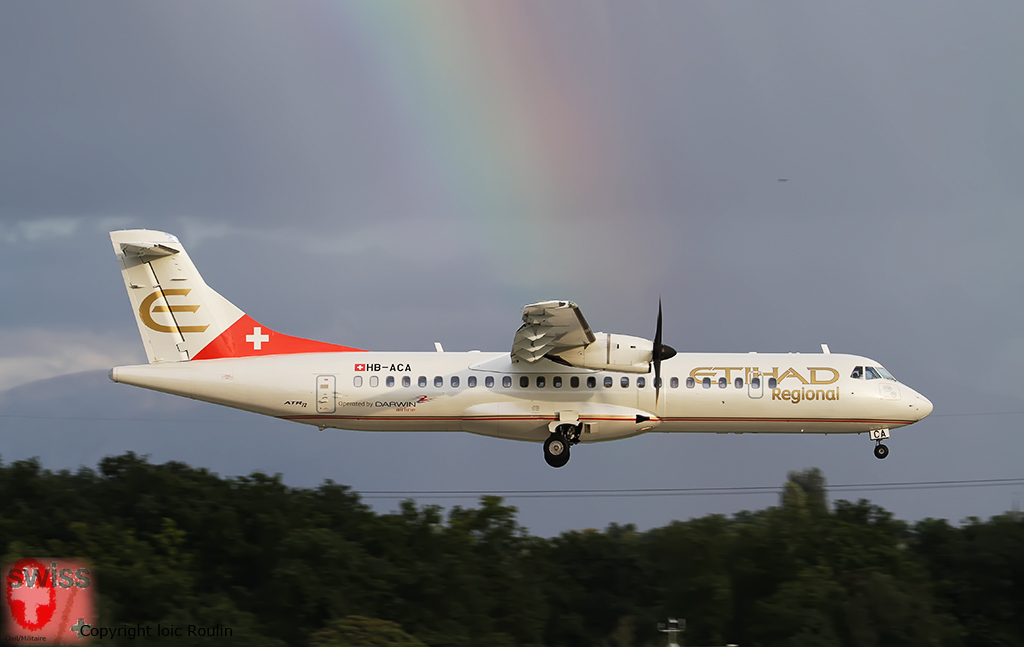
878, 435
881, 451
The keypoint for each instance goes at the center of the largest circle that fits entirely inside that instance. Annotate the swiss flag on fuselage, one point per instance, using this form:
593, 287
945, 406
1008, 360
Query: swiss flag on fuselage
247, 338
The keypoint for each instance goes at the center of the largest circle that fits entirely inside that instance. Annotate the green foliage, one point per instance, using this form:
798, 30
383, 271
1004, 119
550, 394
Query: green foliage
357, 631
171, 544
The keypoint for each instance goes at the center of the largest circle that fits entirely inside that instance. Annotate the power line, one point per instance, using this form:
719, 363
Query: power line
984, 413
701, 491
101, 419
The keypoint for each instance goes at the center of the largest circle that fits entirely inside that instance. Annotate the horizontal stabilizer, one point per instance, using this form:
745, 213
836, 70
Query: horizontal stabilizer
146, 252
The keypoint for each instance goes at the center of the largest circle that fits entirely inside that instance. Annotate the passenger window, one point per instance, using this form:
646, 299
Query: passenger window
755, 383
722, 383
374, 381
772, 383
706, 383
455, 381
690, 382
556, 381
574, 382
738, 382
506, 382
871, 373
489, 381
524, 381
357, 380
390, 382
608, 382
624, 382
641, 382
858, 372
591, 382
541, 381
406, 380
438, 381
471, 381
422, 381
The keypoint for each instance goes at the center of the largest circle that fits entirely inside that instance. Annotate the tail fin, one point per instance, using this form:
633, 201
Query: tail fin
181, 318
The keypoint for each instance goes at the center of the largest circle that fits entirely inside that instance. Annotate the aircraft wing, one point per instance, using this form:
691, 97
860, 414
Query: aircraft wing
550, 327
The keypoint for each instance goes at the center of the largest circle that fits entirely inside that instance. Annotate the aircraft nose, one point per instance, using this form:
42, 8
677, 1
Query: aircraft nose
924, 407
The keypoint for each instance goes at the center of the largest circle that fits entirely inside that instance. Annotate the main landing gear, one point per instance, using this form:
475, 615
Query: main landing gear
878, 435
556, 447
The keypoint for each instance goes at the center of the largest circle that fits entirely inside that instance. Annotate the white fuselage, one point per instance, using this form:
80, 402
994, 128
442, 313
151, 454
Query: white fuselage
451, 391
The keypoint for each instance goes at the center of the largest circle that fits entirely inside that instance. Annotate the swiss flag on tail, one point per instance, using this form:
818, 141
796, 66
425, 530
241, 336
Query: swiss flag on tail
247, 338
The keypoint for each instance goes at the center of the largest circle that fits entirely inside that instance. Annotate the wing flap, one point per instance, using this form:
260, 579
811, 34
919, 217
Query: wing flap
550, 327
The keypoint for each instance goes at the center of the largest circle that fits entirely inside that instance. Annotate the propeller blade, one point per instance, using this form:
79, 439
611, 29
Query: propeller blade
656, 357
660, 352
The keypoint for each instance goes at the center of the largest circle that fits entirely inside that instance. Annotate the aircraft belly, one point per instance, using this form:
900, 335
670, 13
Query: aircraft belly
532, 421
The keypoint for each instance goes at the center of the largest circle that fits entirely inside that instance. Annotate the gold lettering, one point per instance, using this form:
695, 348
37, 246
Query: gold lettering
791, 372
146, 310
786, 394
776, 394
703, 371
728, 371
814, 377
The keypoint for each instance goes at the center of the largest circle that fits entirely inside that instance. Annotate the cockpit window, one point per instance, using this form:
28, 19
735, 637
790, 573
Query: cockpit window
880, 373
871, 373
858, 372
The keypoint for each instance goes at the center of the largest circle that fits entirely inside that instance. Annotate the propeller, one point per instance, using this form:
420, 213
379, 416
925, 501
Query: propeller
659, 352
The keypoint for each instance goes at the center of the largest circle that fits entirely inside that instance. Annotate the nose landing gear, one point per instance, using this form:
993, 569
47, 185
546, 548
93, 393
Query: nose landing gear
878, 435
556, 447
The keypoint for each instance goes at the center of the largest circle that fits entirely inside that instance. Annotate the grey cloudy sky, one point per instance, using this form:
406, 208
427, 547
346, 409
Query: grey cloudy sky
386, 174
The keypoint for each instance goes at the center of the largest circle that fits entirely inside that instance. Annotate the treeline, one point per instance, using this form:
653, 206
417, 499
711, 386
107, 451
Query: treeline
173, 544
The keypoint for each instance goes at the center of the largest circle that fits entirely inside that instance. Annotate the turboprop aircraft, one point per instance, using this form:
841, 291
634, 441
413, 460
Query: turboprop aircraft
561, 384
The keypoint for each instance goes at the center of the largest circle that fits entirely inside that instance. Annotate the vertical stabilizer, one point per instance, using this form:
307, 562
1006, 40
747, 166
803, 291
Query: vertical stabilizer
177, 313
181, 318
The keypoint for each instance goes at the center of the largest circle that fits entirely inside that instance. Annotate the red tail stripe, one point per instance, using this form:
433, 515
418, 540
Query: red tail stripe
247, 338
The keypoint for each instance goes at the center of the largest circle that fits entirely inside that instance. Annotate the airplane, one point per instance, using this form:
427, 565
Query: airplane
561, 384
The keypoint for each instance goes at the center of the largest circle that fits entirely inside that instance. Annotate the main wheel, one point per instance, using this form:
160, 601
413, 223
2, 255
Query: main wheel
556, 450
881, 451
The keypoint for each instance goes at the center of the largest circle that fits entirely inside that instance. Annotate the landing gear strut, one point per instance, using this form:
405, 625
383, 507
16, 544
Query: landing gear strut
556, 447
878, 435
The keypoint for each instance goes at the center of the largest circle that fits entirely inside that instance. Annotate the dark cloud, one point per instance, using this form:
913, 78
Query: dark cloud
457, 160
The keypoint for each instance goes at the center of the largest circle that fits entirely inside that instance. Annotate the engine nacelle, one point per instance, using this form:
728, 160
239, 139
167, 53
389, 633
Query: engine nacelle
612, 352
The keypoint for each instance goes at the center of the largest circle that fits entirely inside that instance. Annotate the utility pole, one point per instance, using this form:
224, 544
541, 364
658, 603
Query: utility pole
673, 627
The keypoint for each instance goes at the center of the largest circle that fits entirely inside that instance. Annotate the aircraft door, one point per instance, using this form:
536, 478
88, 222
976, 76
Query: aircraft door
325, 394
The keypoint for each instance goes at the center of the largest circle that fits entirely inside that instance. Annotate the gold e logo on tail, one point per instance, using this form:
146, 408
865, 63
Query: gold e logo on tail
146, 310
